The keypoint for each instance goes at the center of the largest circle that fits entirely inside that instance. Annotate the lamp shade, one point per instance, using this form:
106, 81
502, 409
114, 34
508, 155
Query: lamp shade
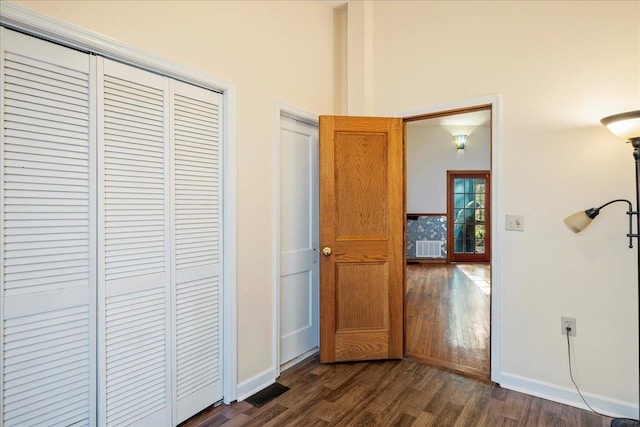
578, 221
460, 140
625, 125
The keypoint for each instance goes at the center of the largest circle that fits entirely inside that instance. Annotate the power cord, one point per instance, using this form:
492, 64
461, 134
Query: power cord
573, 381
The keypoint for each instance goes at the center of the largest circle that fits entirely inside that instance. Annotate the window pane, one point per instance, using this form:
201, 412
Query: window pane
459, 246
459, 215
480, 185
469, 215
470, 244
468, 185
480, 215
458, 201
469, 200
479, 232
480, 246
480, 200
458, 185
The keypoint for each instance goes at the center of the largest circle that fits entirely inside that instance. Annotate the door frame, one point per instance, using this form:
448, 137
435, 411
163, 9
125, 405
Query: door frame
296, 113
36, 24
492, 102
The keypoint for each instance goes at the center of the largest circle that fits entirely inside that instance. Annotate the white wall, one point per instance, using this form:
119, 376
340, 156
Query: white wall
431, 152
559, 67
272, 51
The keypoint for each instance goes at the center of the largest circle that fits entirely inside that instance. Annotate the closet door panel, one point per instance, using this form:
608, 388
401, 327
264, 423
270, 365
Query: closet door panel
134, 244
47, 293
197, 247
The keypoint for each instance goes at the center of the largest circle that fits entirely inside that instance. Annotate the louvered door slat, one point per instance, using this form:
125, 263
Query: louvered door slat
195, 126
48, 332
134, 222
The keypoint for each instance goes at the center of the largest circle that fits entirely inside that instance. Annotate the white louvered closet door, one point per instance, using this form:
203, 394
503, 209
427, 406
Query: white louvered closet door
47, 262
134, 242
197, 247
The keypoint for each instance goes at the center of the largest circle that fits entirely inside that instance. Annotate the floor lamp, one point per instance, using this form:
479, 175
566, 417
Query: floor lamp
626, 126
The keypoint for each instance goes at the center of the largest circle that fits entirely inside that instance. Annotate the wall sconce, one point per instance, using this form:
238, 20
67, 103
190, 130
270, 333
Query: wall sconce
626, 126
460, 140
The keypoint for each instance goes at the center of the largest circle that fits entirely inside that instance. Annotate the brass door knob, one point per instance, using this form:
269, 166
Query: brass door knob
326, 251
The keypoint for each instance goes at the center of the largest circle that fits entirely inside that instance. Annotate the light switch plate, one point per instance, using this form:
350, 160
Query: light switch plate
515, 222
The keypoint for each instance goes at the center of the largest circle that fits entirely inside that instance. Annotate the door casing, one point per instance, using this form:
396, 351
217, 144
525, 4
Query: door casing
291, 111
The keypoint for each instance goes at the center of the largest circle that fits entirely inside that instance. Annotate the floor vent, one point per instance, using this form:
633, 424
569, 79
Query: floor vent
428, 249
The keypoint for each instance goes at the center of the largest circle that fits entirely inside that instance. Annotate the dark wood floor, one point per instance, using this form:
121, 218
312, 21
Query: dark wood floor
448, 316
393, 393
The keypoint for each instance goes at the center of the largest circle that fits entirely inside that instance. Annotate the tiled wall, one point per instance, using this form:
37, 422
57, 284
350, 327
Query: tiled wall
426, 227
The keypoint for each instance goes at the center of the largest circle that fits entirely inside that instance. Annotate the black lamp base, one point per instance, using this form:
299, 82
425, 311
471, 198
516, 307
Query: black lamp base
624, 422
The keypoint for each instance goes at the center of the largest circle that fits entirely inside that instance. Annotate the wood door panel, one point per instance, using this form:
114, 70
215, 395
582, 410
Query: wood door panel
362, 221
361, 185
362, 345
362, 296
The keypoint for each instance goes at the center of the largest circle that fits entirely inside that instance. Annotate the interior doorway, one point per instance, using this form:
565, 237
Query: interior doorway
448, 292
297, 239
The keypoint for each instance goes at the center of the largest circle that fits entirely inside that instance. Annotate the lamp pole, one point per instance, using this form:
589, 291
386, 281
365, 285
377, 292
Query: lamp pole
635, 142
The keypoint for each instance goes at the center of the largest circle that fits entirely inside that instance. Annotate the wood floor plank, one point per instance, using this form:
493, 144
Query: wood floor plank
447, 316
390, 393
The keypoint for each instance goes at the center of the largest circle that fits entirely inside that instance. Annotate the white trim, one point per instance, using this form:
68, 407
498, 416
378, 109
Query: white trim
21, 19
568, 396
230, 246
295, 113
497, 233
291, 363
496, 210
256, 383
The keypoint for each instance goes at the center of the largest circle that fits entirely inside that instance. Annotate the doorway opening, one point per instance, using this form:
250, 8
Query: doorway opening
297, 244
448, 240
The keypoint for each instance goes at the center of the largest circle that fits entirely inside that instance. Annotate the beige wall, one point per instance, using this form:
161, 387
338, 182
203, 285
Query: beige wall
431, 152
272, 51
559, 67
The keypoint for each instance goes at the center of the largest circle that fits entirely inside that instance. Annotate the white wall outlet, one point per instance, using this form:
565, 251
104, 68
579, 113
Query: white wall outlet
515, 222
568, 322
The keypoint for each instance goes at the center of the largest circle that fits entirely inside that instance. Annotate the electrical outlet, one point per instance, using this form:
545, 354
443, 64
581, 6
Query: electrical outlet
568, 322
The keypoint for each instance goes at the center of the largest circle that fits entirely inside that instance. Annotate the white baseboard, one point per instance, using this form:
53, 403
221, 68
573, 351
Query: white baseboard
256, 383
298, 359
567, 396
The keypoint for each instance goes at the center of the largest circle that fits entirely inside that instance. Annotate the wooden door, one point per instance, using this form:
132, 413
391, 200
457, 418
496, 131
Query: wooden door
362, 238
469, 216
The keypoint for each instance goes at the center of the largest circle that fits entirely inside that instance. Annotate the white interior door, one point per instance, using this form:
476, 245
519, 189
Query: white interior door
197, 251
298, 165
47, 262
134, 272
